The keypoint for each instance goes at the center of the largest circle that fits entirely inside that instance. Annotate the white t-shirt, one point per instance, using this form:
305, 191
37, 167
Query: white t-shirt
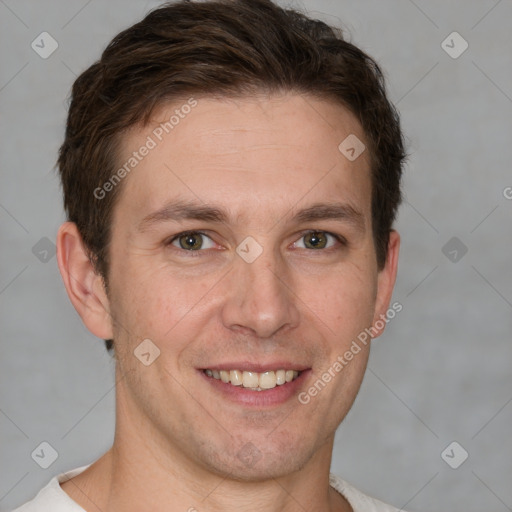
52, 498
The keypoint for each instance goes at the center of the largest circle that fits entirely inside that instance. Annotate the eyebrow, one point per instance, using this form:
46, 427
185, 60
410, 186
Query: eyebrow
183, 210
332, 211
187, 210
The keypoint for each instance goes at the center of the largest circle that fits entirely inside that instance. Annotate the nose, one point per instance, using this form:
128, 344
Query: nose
260, 299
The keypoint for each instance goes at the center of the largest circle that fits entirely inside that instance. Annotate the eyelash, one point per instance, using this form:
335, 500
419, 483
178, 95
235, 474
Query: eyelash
341, 240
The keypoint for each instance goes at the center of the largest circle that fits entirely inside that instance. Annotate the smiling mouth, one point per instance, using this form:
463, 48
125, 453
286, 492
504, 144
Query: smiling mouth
254, 381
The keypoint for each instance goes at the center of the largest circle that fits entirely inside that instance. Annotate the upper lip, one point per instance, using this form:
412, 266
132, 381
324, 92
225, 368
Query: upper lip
247, 366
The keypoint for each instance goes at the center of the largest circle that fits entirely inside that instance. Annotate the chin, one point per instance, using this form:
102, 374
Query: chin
251, 463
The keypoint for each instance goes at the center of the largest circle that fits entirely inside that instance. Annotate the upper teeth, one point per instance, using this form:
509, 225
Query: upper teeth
254, 380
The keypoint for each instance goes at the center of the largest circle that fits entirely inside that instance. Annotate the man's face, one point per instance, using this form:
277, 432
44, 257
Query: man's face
265, 288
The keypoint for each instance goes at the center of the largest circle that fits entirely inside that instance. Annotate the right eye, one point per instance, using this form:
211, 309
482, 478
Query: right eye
192, 241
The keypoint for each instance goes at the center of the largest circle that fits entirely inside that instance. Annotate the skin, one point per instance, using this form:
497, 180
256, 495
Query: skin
177, 439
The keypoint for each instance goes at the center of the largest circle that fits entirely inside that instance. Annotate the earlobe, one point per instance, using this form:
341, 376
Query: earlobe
386, 283
84, 286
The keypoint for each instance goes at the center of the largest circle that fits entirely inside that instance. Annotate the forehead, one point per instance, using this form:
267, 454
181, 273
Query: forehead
250, 154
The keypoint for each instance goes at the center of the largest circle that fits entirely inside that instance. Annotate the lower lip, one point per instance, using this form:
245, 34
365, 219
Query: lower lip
266, 398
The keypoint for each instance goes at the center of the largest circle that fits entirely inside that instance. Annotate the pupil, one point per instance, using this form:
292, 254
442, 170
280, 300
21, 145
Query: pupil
316, 239
191, 242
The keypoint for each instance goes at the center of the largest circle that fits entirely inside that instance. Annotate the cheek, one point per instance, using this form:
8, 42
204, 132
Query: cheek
154, 303
345, 299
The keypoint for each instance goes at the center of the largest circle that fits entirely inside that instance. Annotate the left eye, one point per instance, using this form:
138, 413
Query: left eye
192, 241
317, 240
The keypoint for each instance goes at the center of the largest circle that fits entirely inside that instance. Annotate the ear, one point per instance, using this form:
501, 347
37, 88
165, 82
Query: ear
85, 287
385, 284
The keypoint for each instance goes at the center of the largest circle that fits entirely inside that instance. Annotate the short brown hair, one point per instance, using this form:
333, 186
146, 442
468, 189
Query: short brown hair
227, 48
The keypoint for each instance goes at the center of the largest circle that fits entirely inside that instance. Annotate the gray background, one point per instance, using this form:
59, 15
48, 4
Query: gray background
440, 373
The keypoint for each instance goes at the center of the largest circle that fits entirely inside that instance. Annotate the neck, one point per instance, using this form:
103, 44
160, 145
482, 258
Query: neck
142, 472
